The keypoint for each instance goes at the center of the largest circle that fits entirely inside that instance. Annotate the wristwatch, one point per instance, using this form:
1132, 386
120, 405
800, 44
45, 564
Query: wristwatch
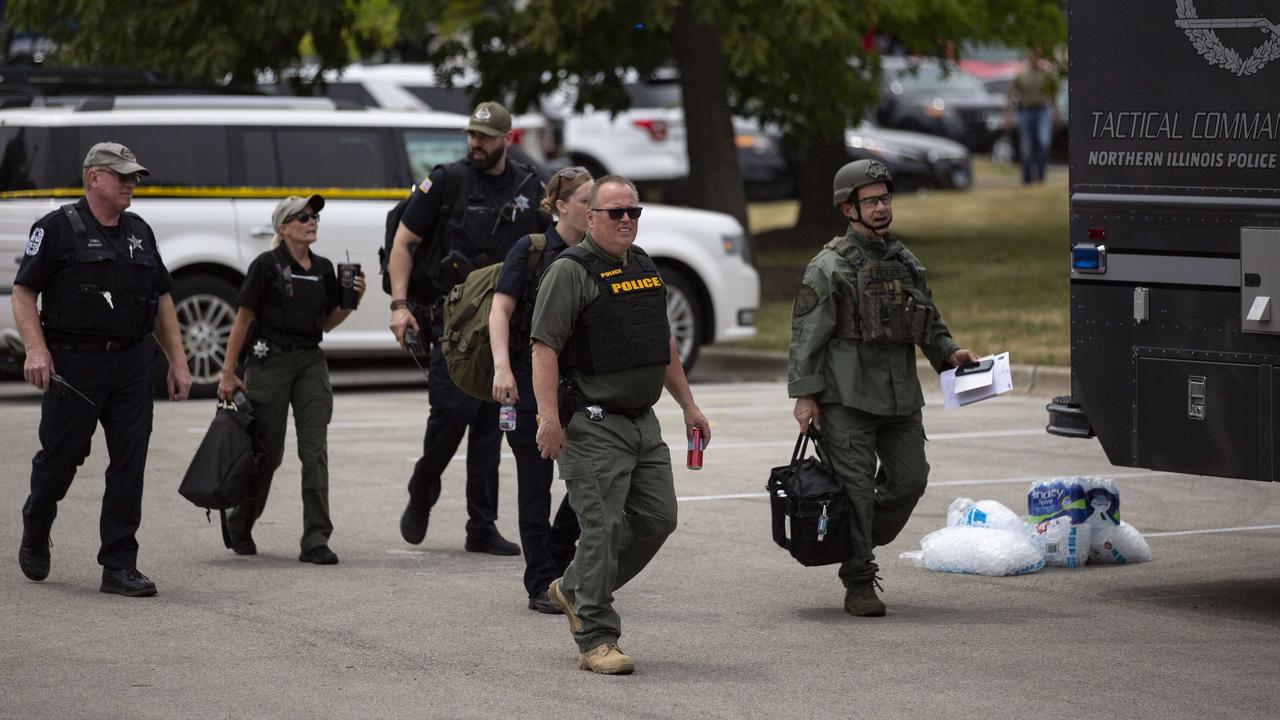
397, 304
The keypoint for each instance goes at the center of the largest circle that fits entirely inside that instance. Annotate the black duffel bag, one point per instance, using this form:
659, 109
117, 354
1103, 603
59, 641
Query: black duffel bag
810, 508
219, 475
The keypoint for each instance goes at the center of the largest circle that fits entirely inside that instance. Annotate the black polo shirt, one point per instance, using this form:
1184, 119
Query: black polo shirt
276, 280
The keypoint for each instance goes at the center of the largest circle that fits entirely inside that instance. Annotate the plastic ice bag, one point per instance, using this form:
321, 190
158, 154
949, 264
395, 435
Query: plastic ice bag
983, 513
1066, 544
981, 551
1119, 544
1102, 499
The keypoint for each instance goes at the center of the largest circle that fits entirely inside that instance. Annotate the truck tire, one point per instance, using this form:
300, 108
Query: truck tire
686, 313
206, 311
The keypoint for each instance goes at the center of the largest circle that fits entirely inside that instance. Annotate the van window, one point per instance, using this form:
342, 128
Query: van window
427, 148
443, 99
260, 159
350, 93
26, 164
334, 157
188, 156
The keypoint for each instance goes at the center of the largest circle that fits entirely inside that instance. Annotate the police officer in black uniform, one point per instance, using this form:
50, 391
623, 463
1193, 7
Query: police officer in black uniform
103, 290
469, 213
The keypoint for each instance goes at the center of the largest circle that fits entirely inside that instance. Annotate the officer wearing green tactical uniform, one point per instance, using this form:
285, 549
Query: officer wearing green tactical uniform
863, 306
600, 317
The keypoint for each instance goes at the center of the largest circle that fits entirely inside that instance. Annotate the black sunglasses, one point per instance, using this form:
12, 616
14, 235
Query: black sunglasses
617, 213
134, 177
303, 217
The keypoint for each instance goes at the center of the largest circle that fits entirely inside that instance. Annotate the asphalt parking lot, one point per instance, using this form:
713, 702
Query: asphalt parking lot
722, 624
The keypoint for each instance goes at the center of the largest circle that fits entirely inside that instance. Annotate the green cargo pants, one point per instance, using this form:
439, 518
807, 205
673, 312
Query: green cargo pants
881, 501
618, 474
274, 383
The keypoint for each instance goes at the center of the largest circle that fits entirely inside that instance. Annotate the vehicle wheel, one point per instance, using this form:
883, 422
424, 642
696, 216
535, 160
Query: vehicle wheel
206, 311
685, 313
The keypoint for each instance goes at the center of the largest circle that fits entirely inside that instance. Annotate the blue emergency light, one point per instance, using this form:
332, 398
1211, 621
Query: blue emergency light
1089, 258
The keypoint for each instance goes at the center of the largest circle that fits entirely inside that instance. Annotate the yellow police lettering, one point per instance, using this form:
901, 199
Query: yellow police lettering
611, 273
633, 285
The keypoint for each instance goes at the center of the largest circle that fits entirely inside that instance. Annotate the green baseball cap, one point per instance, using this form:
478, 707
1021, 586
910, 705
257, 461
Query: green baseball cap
114, 156
491, 119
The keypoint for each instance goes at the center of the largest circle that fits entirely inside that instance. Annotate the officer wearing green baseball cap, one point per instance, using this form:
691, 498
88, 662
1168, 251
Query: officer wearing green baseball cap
490, 118
862, 307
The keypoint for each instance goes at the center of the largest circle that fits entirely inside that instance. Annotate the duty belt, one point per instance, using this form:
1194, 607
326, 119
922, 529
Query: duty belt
598, 412
99, 345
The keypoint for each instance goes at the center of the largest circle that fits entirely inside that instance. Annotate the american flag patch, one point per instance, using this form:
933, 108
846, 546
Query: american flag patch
425, 185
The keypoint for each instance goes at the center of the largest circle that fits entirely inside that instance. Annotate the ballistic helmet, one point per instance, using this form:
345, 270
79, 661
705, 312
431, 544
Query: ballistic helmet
856, 174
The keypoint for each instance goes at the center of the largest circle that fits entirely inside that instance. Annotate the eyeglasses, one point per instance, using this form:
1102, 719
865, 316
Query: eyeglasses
870, 203
303, 217
570, 173
617, 213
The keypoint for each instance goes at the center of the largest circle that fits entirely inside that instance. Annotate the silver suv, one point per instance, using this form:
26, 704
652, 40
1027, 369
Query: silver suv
216, 173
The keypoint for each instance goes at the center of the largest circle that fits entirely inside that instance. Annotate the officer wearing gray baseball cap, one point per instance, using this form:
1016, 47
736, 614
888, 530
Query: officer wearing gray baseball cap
863, 306
103, 291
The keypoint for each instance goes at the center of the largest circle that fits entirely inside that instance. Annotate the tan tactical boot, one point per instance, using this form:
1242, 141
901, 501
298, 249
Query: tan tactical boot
860, 600
606, 659
562, 603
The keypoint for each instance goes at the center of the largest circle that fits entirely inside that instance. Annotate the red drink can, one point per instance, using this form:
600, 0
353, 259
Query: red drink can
693, 459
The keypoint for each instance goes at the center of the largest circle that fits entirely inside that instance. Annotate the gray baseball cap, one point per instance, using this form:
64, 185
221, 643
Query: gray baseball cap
290, 206
114, 156
491, 119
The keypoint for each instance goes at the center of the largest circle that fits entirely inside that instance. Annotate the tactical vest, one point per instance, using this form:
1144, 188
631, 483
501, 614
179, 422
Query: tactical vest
484, 223
626, 326
889, 308
110, 290
294, 306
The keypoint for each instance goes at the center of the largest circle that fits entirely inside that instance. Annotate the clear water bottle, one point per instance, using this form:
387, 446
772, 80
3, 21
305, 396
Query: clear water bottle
507, 417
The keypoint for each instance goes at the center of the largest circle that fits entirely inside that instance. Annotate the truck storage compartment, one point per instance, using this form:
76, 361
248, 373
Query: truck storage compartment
1208, 418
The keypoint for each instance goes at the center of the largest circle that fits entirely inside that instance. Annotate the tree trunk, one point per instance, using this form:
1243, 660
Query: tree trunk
715, 180
819, 161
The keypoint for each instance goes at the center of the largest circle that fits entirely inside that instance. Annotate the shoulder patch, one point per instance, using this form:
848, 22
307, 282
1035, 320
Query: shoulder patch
806, 301
425, 185
37, 239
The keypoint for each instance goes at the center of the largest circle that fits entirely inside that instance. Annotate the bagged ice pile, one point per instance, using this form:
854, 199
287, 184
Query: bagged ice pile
981, 538
1080, 516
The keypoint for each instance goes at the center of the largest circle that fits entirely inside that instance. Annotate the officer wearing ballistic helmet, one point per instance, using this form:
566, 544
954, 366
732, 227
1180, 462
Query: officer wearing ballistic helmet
103, 290
464, 215
864, 303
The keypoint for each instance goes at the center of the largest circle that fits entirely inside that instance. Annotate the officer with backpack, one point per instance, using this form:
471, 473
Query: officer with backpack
464, 215
103, 289
861, 309
548, 548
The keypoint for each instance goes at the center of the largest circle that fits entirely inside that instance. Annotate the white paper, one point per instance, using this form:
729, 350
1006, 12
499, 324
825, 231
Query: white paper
974, 387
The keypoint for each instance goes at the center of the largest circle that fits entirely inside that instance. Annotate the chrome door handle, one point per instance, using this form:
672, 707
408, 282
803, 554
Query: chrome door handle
262, 231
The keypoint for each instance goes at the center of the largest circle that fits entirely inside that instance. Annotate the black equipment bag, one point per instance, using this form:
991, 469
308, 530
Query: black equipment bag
219, 475
810, 508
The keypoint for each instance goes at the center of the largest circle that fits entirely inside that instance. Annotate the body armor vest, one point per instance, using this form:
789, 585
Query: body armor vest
626, 326
110, 290
889, 308
294, 307
483, 222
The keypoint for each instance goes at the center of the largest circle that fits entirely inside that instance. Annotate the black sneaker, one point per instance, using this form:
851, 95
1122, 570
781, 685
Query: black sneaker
543, 604
495, 544
320, 555
33, 558
239, 544
126, 581
413, 524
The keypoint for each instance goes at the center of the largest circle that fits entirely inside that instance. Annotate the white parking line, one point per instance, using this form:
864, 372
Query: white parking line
1208, 531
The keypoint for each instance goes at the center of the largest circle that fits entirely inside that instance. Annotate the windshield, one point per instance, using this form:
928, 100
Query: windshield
928, 78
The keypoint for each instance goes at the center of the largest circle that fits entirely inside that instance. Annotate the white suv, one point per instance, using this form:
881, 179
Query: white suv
217, 173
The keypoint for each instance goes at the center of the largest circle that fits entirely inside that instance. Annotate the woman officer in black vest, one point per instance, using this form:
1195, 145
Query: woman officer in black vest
548, 547
294, 296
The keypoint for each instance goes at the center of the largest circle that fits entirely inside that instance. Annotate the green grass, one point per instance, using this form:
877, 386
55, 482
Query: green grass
997, 261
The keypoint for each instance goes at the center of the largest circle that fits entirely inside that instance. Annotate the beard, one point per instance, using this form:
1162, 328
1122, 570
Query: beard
485, 161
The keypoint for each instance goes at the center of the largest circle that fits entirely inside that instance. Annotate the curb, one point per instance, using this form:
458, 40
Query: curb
729, 363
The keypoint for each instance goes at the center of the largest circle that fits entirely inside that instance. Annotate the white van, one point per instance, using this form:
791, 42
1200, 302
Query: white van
217, 173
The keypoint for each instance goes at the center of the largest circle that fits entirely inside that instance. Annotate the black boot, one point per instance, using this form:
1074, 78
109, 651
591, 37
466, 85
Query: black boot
33, 558
126, 581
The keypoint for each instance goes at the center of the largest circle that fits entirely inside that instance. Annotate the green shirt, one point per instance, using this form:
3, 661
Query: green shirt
879, 378
566, 289
1034, 88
